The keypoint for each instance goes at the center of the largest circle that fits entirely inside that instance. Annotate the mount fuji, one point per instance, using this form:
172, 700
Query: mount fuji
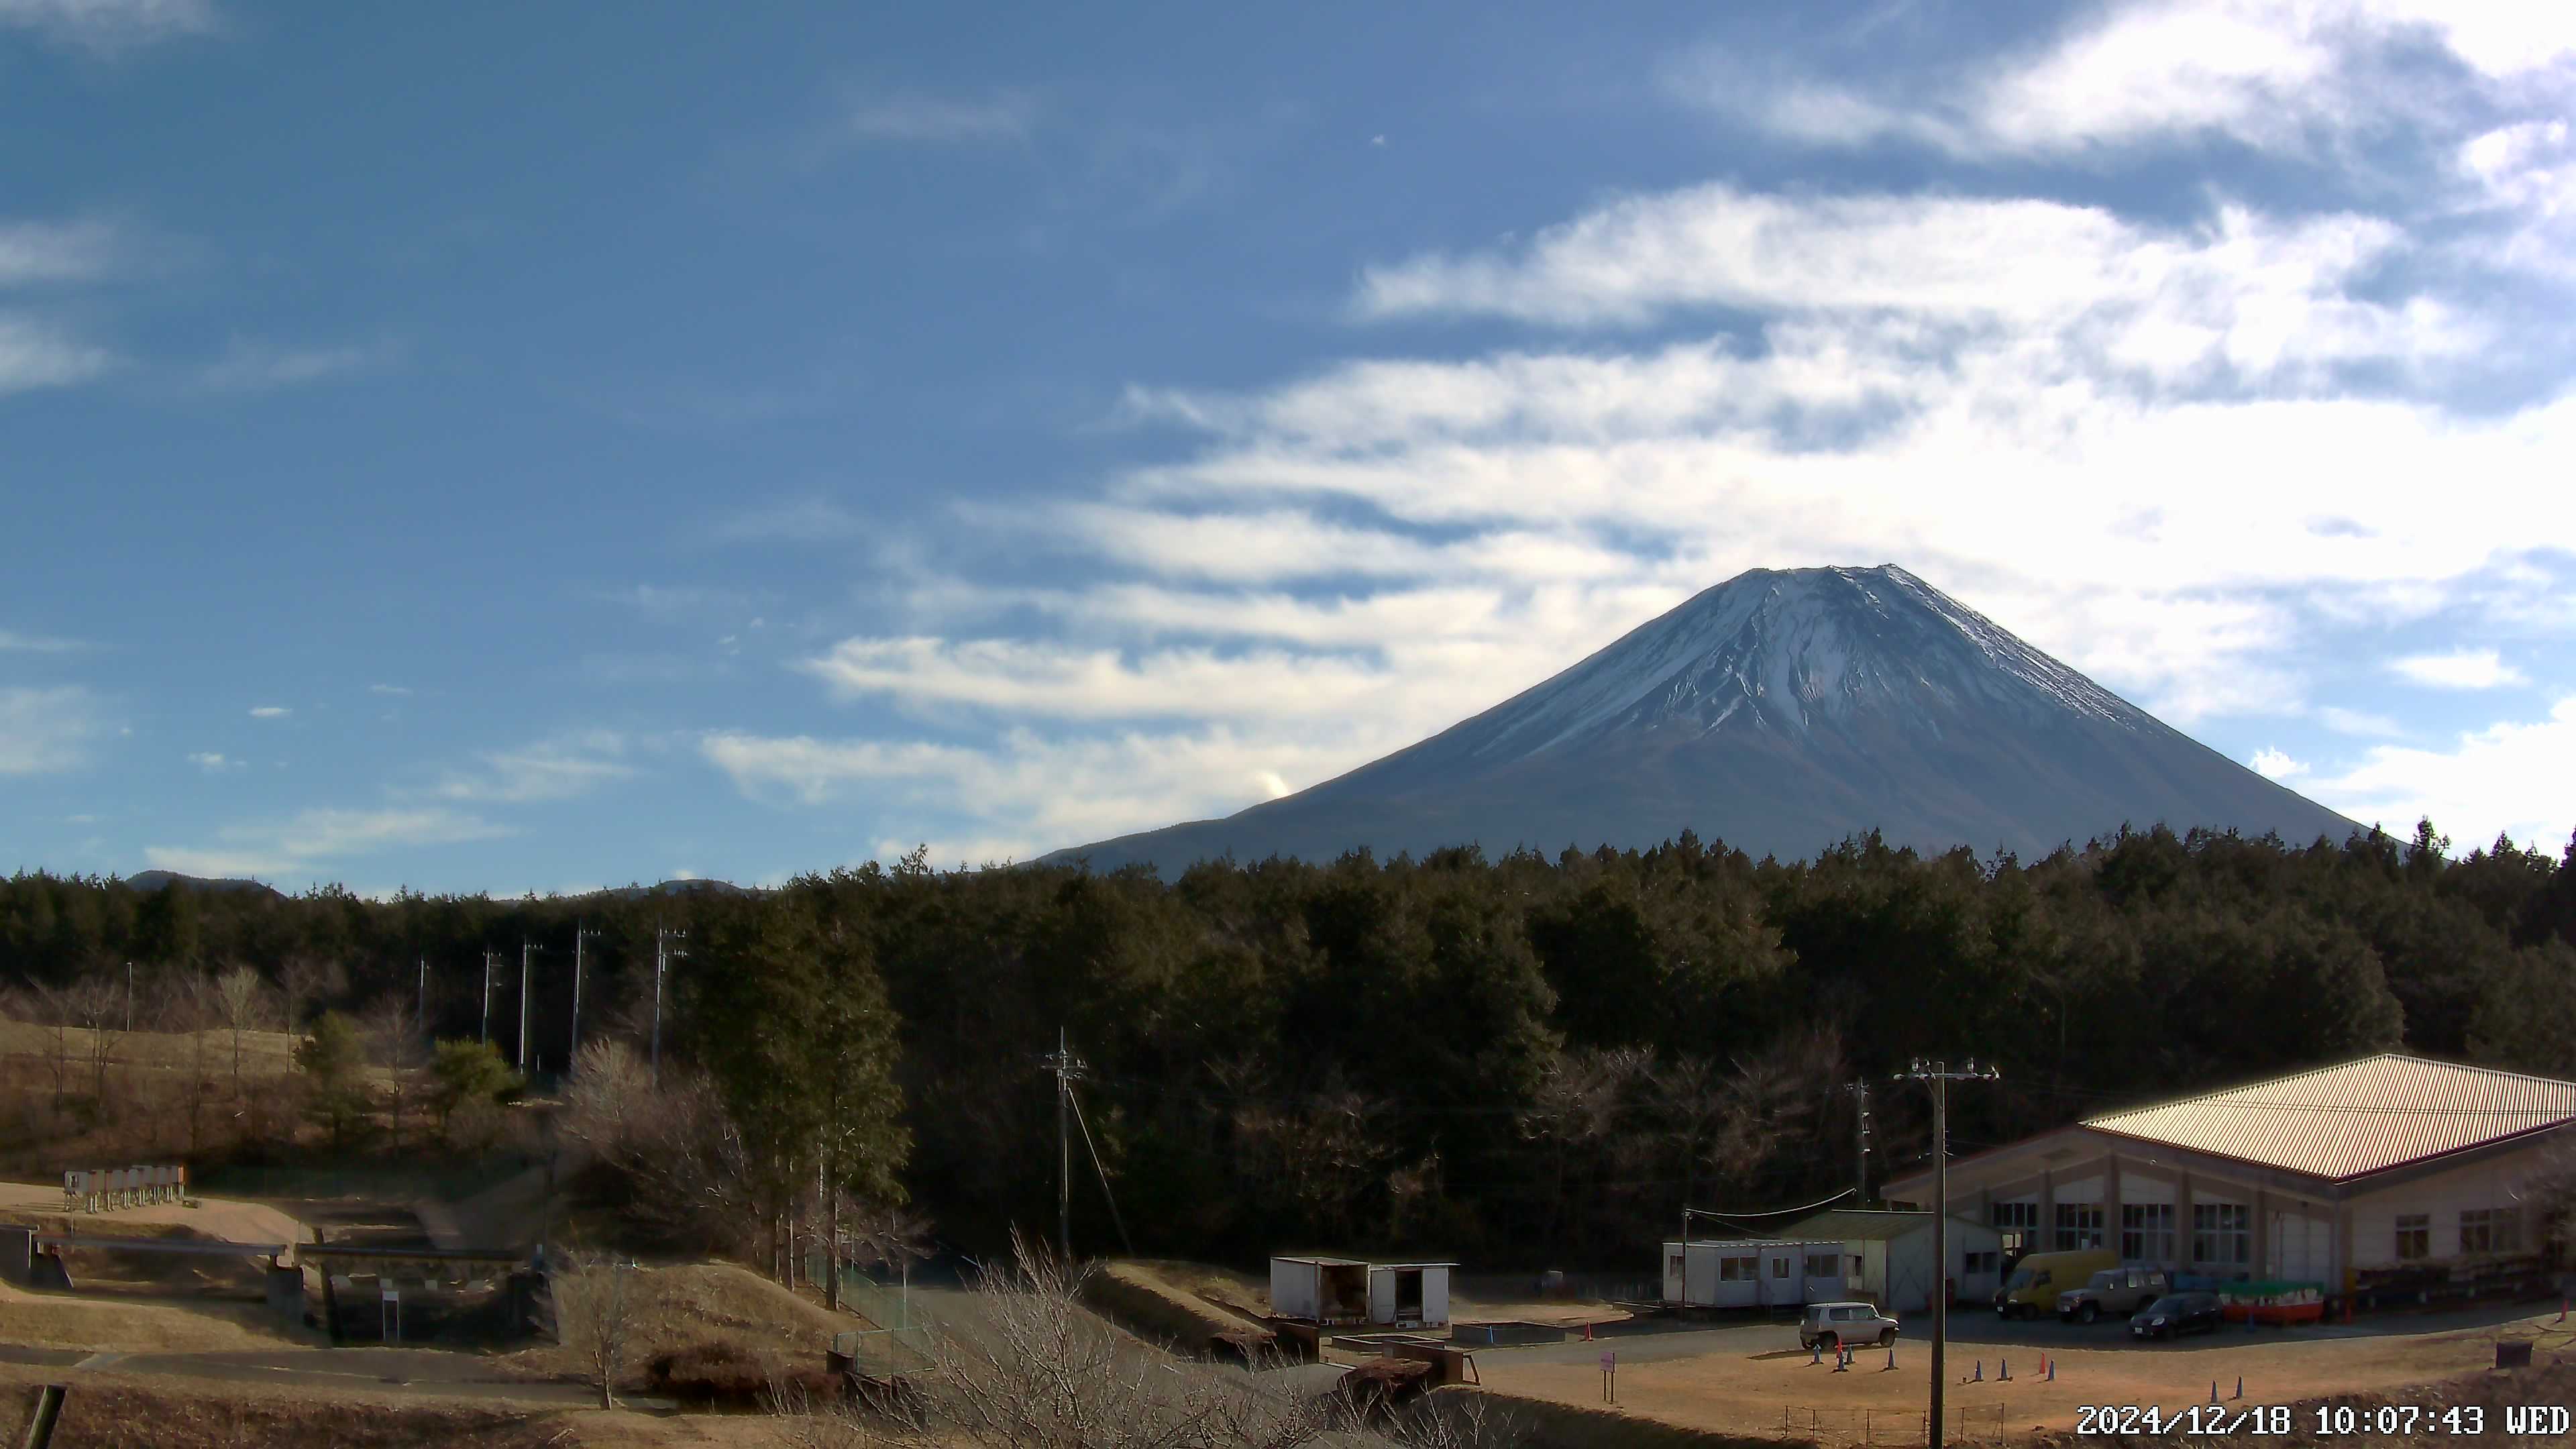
1778, 713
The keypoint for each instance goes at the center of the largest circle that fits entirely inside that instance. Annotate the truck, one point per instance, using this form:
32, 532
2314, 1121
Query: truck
2037, 1280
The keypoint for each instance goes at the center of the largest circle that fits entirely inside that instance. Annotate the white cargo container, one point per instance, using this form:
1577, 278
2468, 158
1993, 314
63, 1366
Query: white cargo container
1323, 1290
1409, 1295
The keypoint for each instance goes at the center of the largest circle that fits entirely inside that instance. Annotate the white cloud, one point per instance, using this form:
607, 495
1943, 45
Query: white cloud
10, 640
1047, 792
110, 25
683, 603
45, 731
270, 711
930, 118
392, 689
548, 770
797, 520
212, 763
316, 837
248, 366
2281, 77
2459, 669
34, 356
2272, 764
2358, 722
2495, 780
37, 251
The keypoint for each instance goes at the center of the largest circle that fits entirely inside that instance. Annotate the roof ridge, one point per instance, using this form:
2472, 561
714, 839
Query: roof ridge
2343, 1066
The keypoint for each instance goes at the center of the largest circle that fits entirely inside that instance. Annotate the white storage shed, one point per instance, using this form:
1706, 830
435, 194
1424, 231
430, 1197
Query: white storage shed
1409, 1295
1327, 1290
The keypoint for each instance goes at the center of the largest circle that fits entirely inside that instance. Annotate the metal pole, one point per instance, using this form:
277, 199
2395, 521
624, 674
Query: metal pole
1064, 1157
420, 1014
129, 996
525, 952
1860, 1136
1940, 1240
661, 958
483, 1034
49, 1407
578, 936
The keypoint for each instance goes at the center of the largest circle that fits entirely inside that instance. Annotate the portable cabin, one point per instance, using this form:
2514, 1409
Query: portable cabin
1890, 1254
1409, 1295
1753, 1272
1325, 1290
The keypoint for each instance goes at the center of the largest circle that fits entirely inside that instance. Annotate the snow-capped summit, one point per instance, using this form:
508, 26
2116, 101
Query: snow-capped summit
1778, 712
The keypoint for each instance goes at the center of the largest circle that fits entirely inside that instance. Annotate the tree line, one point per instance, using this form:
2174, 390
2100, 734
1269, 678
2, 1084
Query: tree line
1528, 1060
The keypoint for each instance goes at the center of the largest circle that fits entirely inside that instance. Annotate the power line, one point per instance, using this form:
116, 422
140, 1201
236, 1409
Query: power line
1096, 1166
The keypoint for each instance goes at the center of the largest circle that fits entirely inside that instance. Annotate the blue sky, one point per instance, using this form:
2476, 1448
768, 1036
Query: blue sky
485, 448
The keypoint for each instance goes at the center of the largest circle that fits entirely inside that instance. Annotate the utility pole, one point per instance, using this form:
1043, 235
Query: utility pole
663, 936
1068, 1070
420, 1013
527, 951
491, 963
1938, 1073
579, 935
129, 998
1860, 1162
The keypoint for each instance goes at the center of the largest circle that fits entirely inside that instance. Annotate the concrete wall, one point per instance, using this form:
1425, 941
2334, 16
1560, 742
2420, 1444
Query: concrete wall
2490, 1184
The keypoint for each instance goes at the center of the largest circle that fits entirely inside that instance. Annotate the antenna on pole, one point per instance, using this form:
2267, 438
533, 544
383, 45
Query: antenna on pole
580, 935
1068, 1069
663, 951
1938, 1073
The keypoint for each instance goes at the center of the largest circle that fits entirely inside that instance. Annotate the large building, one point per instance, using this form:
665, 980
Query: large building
2381, 1176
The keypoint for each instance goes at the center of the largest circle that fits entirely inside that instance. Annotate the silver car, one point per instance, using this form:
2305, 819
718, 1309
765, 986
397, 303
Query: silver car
1831, 1325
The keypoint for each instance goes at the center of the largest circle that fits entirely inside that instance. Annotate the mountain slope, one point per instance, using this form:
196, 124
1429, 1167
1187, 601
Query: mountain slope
1778, 712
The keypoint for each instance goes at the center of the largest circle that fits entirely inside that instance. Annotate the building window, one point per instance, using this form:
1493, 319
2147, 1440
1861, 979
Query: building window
1779, 1267
1824, 1265
2147, 1232
2221, 1232
1738, 1270
2414, 1237
2079, 1225
2489, 1230
1980, 1262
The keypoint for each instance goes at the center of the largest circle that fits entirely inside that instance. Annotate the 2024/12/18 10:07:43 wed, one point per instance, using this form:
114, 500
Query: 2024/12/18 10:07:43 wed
2386, 1420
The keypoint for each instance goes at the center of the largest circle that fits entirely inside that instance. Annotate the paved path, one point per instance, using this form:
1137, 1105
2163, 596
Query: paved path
429, 1373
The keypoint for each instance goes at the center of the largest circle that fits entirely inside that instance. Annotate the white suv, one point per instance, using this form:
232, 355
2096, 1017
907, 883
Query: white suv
1831, 1325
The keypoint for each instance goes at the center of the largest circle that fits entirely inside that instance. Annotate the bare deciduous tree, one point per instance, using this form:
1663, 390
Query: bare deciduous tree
306, 981
95, 999
595, 1301
184, 1002
241, 999
674, 1140
395, 1039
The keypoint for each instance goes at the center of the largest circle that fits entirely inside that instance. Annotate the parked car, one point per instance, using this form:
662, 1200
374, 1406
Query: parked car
2038, 1278
2177, 1313
2121, 1291
1831, 1325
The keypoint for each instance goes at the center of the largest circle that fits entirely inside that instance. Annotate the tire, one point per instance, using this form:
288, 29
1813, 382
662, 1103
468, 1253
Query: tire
2091, 1312
1830, 1343
1887, 1338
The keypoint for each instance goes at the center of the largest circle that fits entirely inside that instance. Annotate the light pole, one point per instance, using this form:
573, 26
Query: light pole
1938, 1073
663, 936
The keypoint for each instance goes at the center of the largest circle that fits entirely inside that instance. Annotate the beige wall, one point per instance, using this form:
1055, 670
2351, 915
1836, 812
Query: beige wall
2489, 1184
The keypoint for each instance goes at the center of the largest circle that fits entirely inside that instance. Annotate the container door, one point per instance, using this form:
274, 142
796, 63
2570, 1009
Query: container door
1381, 1295
1699, 1276
1676, 1270
1435, 1298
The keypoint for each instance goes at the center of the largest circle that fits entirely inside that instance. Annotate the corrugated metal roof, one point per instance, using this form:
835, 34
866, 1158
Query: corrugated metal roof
2358, 1118
1860, 1225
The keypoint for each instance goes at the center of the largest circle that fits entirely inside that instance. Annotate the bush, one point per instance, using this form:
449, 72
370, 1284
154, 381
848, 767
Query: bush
728, 1374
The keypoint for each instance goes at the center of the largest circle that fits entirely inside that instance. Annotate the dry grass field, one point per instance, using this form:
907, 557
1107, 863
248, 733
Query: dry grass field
1780, 1390
708, 1303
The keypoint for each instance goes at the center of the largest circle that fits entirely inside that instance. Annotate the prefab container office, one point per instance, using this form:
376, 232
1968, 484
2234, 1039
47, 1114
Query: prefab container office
1753, 1273
1409, 1295
1326, 1290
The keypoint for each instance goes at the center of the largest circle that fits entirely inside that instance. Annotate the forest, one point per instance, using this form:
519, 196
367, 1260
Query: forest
1529, 1061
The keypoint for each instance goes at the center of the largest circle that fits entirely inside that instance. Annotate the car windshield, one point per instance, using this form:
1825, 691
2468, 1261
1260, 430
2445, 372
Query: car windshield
2174, 1303
2107, 1278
